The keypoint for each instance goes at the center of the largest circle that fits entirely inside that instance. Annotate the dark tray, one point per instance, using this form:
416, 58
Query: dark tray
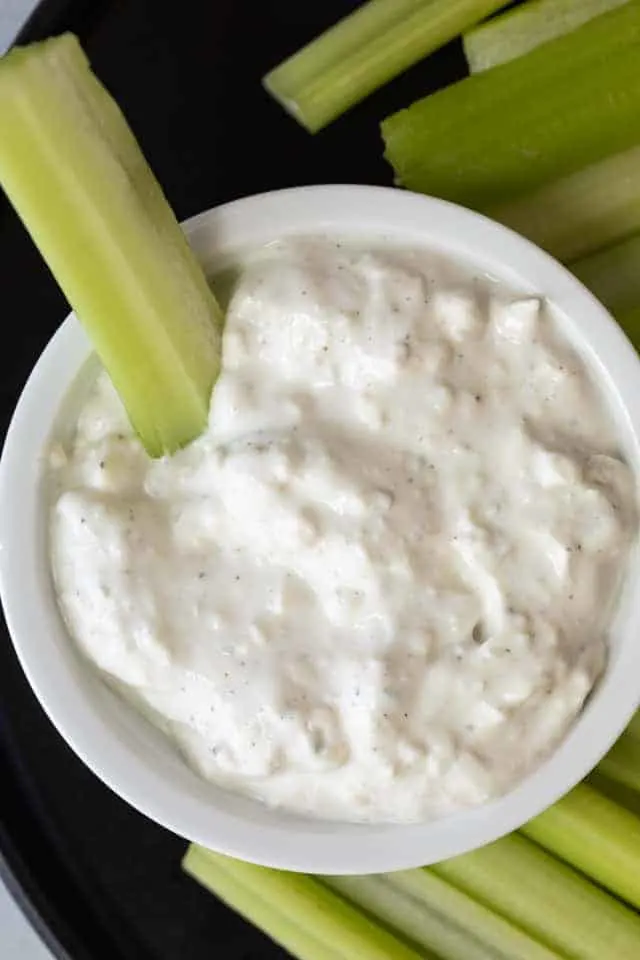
97, 879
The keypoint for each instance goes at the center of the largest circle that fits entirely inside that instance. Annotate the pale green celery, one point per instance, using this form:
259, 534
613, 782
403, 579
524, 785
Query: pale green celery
379, 40
548, 899
622, 763
500, 134
412, 919
520, 30
583, 212
595, 835
276, 923
455, 925
75, 174
613, 275
323, 914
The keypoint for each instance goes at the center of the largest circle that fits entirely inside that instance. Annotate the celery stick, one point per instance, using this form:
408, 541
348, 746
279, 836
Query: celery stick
413, 919
595, 835
582, 212
499, 134
622, 763
364, 51
518, 31
613, 274
322, 912
496, 934
618, 773
276, 923
548, 899
436, 914
617, 791
77, 178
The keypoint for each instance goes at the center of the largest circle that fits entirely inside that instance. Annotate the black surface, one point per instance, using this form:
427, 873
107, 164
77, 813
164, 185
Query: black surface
97, 879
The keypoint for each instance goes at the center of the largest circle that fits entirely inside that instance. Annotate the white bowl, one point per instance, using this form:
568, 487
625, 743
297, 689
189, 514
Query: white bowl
123, 749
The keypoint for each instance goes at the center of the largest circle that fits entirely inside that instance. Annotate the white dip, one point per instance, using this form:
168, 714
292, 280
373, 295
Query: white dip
379, 587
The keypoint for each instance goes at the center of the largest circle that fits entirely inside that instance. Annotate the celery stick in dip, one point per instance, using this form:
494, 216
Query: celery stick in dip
76, 176
378, 587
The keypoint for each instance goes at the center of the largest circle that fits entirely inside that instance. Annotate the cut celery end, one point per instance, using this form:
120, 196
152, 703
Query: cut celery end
613, 275
548, 899
78, 180
581, 213
595, 835
271, 918
497, 135
518, 31
322, 913
365, 50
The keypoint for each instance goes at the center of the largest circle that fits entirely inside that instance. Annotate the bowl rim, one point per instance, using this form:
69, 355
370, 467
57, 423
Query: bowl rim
337, 848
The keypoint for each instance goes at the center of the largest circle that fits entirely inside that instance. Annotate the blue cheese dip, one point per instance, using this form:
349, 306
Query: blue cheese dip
378, 587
